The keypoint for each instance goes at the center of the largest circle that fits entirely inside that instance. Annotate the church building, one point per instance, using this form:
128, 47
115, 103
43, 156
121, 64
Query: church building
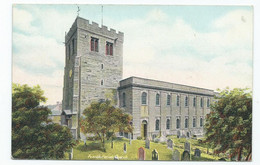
94, 68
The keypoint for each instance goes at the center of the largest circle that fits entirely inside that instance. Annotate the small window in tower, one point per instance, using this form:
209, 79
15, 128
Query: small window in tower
109, 48
69, 51
73, 46
102, 82
102, 66
94, 44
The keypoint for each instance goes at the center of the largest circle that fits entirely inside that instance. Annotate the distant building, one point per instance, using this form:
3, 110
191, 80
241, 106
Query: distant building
94, 67
56, 111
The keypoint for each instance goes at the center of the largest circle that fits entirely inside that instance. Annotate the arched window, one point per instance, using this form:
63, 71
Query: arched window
201, 102
178, 100
186, 122
144, 98
194, 122
178, 123
168, 99
168, 124
201, 122
124, 100
102, 82
157, 99
208, 103
157, 124
194, 102
186, 101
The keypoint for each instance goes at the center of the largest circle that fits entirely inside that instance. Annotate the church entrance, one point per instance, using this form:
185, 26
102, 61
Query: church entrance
144, 129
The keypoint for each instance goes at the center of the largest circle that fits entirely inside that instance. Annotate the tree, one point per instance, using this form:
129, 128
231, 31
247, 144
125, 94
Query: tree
229, 124
103, 119
33, 134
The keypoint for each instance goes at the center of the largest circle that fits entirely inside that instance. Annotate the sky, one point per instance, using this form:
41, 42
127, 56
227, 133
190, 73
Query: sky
202, 46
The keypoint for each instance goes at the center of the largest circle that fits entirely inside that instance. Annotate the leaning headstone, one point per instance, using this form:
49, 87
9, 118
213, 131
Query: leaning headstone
197, 152
155, 155
112, 144
147, 143
187, 146
141, 153
186, 156
124, 147
169, 143
176, 155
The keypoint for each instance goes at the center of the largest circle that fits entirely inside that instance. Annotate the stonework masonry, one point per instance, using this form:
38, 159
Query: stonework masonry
92, 70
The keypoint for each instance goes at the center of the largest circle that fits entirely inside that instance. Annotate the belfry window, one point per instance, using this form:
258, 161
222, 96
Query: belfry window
178, 100
109, 48
186, 101
157, 124
94, 44
208, 103
194, 102
144, 98
73, 46
157, 99
168, 99
201, 102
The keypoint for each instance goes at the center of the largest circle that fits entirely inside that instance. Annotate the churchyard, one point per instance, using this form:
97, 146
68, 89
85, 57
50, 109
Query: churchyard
173, 149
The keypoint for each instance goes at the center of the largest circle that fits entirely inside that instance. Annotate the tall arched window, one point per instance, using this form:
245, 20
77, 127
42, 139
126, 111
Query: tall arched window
186, 122
194, 122
178, 100
208, 103
124, 100
168, 124
186, 101
194, 102
201, 102
144, 98
157, 99
178, 123
157, 124
168, 99
201, 122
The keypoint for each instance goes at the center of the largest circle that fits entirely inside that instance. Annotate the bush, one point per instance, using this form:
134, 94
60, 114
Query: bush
139, 138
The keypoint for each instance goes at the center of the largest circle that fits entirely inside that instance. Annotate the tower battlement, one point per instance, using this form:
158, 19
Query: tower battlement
103, 31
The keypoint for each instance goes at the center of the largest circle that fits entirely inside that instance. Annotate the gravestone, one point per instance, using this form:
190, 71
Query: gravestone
188, 135
155, 155
141, 153
178, 134
124, 147
169, 143
186, 156
71, 154
176, 155
187, 146
197, 152
116, 158
112, 144
147, 143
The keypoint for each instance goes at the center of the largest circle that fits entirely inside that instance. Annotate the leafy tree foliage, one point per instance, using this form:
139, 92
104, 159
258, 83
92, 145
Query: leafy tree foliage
33, 134
103, 119
229, 124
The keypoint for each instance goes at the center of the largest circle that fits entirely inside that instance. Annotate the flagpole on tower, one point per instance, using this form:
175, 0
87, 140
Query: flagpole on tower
78, 10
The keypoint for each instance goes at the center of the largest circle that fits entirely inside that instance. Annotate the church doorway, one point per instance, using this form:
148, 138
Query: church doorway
144, 129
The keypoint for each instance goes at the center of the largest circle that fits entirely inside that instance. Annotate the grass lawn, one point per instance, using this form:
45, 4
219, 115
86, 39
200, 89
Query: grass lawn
93, 150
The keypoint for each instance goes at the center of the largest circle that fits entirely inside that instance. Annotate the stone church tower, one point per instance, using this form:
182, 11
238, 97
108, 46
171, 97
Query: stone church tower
93, 68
